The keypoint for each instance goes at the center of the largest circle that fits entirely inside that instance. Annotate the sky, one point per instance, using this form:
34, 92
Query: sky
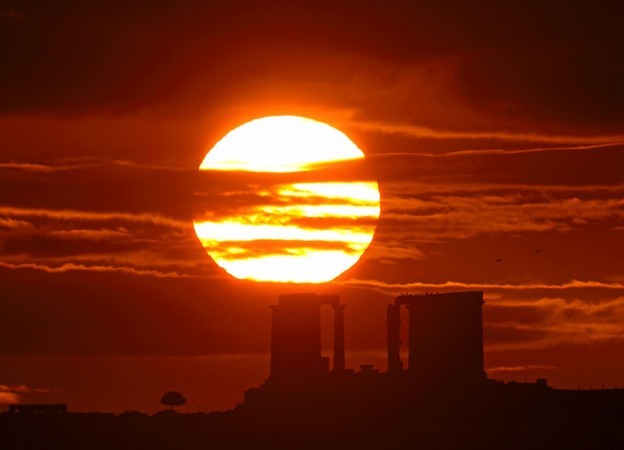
494, 131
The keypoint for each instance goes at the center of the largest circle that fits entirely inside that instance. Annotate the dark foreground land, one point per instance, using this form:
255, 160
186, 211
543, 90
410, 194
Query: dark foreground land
494, 418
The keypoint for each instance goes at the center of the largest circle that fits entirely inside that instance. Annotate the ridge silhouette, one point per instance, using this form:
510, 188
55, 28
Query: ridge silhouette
441, 400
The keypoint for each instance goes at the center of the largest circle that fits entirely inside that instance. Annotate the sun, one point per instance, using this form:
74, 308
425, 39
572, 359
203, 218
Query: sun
289, 228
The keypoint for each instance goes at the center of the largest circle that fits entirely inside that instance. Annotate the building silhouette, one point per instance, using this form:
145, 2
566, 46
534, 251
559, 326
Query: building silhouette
445, 337
445, 348
296, 337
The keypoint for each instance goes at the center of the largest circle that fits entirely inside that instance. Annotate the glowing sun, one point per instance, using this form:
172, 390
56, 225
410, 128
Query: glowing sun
290, 229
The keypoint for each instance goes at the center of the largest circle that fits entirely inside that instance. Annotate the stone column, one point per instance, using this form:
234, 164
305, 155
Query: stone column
394, 340
339, 343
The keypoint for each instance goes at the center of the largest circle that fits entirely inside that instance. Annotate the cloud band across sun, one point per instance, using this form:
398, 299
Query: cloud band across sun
307, 232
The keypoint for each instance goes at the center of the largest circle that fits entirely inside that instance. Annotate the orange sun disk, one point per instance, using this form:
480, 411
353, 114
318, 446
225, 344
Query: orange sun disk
301, 232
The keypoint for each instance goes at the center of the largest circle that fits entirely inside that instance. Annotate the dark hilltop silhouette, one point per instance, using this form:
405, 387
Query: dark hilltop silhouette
442, 399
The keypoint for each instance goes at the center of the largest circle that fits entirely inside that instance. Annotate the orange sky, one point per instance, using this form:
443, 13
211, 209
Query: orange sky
494, 134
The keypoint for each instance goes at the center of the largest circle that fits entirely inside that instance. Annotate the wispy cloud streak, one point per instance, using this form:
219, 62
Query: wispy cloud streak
68, 214
67, 267
400, 287
432, 133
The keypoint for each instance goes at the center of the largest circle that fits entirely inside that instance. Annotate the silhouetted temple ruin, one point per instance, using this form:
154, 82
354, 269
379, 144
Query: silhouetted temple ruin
445, 336
445, 349
296, 336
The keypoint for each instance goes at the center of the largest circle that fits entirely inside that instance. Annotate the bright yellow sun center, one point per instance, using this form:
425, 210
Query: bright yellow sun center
305, 232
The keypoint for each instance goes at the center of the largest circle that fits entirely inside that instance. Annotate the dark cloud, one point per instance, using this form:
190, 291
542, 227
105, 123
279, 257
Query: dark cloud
119, 213
75, 57
549, 322
566, 85
563, 166
524, 63
497, 336
122, 313
88, 312
65, 243
265, 247
110, 188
